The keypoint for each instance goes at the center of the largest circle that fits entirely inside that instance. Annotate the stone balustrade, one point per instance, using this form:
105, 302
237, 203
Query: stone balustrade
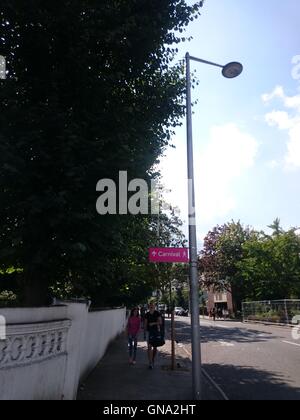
33, 343
46, 352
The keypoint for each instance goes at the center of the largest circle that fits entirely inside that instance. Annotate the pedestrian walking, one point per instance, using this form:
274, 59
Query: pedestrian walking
214, 313
133, 329
154, 328
220, 313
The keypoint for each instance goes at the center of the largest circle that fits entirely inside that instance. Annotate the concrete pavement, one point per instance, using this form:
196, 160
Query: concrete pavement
248, 361
115, 379
243, 361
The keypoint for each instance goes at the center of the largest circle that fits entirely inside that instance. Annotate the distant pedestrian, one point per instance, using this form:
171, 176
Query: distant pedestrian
220, 313
214, 313
153, 326
225, 313
133, 329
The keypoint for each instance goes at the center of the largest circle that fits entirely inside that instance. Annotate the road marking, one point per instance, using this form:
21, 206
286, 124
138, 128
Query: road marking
216, 325
225, 344
293, 344
214, 383
223, 326
218, 388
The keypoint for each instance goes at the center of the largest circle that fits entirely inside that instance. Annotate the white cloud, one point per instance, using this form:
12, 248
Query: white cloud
272, 164
277, 93
292, 102
285, 121
293, 156
229, 153
280, 119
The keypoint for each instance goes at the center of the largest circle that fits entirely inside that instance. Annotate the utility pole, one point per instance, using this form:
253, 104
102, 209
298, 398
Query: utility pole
230, 71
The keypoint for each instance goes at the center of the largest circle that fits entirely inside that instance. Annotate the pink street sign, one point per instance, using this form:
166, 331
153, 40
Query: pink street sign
169, 255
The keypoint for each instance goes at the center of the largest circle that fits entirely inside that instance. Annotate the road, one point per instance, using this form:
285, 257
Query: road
247, 361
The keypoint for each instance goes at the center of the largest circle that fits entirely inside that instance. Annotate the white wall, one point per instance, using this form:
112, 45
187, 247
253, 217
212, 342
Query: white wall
49, 350
32, 315
102, 327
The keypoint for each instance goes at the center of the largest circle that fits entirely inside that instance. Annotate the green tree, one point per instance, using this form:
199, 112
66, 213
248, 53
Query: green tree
218, 261
275, 226
92, 89
271, 265
253, 265
130, 278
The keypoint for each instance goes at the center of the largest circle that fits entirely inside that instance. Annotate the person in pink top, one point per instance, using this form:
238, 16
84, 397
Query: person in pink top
133, 329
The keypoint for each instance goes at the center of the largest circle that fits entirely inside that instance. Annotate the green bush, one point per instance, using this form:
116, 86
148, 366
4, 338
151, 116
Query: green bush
294, 312
270, 316
7, 299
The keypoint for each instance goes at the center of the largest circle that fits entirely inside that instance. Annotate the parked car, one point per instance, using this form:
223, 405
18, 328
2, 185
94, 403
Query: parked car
179, 311
162, 308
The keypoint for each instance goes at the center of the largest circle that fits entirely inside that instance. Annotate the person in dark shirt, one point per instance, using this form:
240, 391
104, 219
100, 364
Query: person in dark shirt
153, 324
214, 313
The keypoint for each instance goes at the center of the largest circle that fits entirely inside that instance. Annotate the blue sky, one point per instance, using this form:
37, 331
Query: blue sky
246, 130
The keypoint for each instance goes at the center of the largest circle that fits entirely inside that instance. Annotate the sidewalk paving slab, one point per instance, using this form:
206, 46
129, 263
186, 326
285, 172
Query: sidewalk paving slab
114, 379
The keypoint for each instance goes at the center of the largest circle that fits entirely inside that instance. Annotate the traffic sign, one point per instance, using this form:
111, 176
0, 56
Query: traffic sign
169, 255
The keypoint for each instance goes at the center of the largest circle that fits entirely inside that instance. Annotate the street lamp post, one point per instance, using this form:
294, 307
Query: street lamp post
229, 71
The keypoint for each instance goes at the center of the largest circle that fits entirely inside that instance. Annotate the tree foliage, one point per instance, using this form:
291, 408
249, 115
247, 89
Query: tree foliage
252, 265
223, 250
271, 265
91, 89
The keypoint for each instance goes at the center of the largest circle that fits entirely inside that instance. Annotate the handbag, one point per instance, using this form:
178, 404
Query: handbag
156, 339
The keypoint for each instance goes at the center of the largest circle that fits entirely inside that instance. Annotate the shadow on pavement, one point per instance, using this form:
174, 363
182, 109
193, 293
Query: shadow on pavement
211, 333
247, 383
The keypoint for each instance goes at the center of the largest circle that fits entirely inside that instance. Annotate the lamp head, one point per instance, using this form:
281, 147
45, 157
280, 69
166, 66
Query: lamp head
232, 70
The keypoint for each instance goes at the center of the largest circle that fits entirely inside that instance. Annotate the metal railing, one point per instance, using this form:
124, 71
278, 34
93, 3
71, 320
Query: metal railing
272, 311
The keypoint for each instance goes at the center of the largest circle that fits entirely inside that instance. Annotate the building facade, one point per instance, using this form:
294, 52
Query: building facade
221, 301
